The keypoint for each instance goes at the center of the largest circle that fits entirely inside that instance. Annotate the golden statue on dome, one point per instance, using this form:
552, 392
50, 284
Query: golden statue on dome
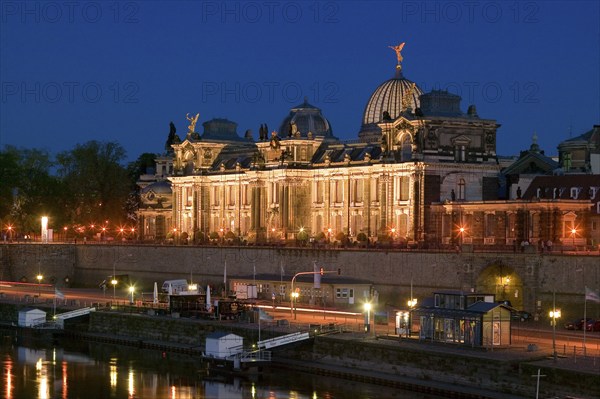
193, 120
398, 49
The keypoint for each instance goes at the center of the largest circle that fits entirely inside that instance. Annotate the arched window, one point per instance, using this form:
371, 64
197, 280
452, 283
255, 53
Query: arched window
461, 189
406, 150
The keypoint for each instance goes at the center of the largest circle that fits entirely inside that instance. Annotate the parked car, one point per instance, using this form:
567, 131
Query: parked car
577, 324
593, 325
521, 315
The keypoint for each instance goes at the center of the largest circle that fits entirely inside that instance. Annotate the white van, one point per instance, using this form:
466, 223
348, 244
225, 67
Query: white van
176, 286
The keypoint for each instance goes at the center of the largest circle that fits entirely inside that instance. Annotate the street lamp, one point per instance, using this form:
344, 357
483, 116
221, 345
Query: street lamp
39, 278
131, 291
573, 232
554, 314
411, 304
114, 284
367, 307
295, 296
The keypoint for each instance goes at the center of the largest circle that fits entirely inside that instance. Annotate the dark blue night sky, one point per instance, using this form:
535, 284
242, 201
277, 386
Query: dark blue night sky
121, 71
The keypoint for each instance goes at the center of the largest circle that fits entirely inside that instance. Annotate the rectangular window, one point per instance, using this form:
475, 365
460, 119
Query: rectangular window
274, 193
232, 195
462, 189
375, 189
574, 192
404, 188
189, 198
358, 190
490, 225
244, 189
460, 153
215, 196
319, 191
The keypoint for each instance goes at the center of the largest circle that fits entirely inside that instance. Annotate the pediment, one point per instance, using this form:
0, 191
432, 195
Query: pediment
461, 140
401, 123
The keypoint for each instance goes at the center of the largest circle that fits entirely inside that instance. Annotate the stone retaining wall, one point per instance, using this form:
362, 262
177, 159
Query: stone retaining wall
390, 271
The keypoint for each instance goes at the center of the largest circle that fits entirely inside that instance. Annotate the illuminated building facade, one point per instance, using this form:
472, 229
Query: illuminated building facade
420, 170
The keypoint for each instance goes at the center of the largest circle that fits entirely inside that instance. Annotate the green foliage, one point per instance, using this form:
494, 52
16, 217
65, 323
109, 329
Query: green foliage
199, 236
28, 190
85, 185
320, 236
302, 236
95, 181
383, 238
213, 235
9, 176
362, 237
136, 169
230, 235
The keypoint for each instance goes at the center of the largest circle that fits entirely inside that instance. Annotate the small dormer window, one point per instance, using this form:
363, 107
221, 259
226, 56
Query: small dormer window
538, 192
574, 192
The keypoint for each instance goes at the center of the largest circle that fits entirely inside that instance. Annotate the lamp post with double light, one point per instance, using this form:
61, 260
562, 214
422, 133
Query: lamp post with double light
554, 314
131, 291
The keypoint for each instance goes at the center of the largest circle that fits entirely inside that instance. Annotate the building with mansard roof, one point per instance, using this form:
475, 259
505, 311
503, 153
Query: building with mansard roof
422, 172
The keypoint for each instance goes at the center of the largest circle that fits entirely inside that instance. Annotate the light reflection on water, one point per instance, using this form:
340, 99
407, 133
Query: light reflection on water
106, 371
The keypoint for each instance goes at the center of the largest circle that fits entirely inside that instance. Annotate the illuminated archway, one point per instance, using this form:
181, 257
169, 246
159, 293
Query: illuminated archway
502, 281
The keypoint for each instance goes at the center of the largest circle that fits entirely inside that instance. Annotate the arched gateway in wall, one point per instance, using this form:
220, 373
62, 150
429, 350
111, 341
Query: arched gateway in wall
503, 281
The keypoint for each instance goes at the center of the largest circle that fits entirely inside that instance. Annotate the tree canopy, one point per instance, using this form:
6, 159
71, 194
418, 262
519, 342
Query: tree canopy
87, 184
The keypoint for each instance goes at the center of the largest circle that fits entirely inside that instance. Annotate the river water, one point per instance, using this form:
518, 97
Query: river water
83, 370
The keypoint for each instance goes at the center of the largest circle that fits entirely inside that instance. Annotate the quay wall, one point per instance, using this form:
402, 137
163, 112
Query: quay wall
533, 277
